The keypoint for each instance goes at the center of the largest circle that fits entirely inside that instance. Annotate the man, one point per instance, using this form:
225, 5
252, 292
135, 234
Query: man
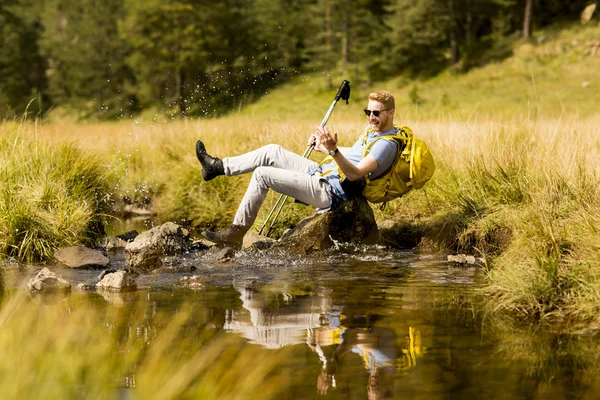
288, 173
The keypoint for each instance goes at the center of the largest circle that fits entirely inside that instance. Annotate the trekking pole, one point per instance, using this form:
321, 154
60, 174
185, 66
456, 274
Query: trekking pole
344, 94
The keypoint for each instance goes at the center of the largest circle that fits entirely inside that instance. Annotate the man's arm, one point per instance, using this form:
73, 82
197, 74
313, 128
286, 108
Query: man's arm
352, 172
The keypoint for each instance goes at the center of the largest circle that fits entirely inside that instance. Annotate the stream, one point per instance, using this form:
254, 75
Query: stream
359, 323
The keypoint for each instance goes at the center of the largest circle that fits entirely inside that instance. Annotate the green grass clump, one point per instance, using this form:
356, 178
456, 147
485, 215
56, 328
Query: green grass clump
50, 195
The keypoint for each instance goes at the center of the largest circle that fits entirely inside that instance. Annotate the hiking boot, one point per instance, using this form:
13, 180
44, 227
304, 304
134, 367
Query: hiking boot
233, 236
211, 166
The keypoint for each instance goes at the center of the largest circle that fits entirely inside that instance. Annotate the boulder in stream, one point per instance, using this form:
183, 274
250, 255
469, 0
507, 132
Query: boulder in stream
81, 257
118, 281
254, 241
351, 222
146, 250
48, 282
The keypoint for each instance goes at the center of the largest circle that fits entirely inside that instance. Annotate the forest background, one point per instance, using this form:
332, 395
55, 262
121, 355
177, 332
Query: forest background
111, 59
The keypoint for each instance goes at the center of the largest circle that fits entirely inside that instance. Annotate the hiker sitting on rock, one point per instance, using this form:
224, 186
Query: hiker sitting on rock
322, 186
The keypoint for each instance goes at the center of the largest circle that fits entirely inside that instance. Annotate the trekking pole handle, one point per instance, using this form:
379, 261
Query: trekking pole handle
342, 93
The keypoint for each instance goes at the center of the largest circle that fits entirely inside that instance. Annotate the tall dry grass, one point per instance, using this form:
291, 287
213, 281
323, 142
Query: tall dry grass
527, 195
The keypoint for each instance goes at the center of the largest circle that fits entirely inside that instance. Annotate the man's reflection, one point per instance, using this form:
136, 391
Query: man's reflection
376, 346
347, 344
276, 319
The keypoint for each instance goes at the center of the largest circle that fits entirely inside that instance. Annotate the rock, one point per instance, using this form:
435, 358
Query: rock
11, 263
147, 249
81, 257
222, 254
47, 281
200, 244
84, 286
462, 259
351, 222
118, 281
110, 243
254, 241
103, 273
171, 260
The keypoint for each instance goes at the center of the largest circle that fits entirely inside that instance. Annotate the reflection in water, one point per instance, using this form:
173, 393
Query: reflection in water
272, 327
357, 335
339, 338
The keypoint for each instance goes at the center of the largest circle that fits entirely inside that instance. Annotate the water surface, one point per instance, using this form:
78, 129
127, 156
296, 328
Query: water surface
355, 324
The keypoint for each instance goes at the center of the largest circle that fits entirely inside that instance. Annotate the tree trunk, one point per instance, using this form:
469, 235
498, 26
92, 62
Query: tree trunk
328, 45
179, 91
469, 26
345, 38
527, 19
452, 34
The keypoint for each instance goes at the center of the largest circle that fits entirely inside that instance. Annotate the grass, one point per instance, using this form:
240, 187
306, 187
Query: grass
50, 195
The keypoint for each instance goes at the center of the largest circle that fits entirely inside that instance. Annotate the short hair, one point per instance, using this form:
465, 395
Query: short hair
384, 97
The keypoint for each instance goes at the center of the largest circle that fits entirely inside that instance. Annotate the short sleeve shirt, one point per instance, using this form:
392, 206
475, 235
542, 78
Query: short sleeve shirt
384, 151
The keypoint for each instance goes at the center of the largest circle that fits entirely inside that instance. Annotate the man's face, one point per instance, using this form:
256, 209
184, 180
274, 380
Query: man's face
385, 120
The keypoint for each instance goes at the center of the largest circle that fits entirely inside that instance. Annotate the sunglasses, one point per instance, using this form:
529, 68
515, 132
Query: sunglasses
375, 112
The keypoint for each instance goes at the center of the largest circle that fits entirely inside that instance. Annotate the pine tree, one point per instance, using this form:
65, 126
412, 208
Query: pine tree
22, 68
86, 56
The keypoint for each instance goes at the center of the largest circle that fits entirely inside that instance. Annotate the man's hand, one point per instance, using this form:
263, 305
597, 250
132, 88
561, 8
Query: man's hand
314, 141
326, 139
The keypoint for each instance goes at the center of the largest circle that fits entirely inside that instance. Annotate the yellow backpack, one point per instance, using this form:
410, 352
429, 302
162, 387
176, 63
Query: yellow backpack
412, 168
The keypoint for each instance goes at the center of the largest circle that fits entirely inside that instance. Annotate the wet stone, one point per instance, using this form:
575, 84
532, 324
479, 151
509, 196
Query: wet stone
48, 282
223, 254
81, 257
254, 241
11, 263
110, 242
351, 222
464, 259
121, 280
193, 281
84, 286
147, 250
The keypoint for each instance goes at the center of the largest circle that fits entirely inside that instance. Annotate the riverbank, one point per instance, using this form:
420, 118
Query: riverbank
521, 193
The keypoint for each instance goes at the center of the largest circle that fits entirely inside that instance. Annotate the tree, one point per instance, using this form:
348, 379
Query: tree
527, 19
86, 57
22, 68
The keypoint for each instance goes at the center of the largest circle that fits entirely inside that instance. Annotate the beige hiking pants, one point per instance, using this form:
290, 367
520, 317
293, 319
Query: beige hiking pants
278, 169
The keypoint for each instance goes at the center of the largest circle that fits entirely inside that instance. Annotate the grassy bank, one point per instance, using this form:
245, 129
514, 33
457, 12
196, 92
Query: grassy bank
523, 193
51, 195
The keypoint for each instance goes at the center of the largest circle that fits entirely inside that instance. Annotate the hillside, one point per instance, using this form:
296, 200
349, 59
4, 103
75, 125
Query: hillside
553, 75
